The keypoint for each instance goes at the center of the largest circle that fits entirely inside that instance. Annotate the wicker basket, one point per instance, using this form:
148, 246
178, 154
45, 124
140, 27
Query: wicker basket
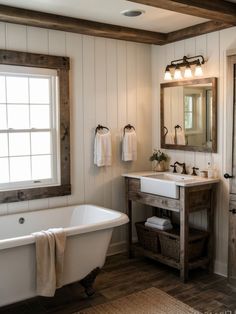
170, 246
148, 239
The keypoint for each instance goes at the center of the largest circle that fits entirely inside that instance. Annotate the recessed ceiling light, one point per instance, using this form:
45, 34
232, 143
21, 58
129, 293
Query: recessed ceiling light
132, 13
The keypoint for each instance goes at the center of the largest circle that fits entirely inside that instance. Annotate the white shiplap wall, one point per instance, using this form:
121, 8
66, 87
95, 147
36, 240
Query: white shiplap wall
213, 47
110, 84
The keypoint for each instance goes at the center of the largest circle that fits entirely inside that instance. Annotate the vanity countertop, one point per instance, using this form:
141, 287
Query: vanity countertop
193, 180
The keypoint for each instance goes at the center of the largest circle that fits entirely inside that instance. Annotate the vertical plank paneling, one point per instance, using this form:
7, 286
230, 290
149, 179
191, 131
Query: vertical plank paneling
37, 40
100, 105
74, 50
16, 37
112, 120
89, 116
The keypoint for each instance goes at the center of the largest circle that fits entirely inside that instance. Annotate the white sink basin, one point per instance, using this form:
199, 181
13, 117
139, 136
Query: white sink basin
163, 184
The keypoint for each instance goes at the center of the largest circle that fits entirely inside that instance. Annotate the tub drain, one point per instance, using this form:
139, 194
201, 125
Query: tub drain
21, 220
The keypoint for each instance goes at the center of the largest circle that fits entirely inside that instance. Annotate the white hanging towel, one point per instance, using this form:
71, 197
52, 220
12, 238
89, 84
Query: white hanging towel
181, 140
102, 148
169, 138
129, 146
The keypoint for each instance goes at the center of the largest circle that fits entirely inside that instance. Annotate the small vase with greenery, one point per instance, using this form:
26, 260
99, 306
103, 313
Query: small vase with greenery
160, 159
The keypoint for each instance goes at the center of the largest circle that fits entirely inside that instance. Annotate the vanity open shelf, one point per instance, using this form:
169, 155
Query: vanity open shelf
194, 195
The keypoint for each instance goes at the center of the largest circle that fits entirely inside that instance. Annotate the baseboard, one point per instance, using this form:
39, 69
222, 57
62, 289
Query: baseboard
220, 268
116, 248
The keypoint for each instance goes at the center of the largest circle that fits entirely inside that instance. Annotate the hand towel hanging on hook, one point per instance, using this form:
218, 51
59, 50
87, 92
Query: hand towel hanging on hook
129, 143
179, 135
102, 146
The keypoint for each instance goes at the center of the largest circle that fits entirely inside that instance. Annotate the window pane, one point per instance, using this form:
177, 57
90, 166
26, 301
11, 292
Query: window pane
188, 120
188, 103
2, 89
39, 91
20, 169
3, 146
41, 143
41, 167
40, 116
4, 170
17, 90
3, 117
18, 116
19, 144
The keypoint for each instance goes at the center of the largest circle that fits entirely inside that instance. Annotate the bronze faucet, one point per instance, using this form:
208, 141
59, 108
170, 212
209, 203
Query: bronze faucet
184, 171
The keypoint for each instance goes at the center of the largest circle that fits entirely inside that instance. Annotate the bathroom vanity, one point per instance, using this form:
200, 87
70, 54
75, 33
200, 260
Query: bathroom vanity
182, 194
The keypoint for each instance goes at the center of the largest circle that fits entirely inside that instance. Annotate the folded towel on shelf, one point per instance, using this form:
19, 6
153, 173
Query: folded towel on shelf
170, 138
159, 221
102, 148
158, 227
50, 248
181, 140
129, 146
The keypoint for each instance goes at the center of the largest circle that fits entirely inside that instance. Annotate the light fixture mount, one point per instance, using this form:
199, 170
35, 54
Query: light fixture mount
185, 62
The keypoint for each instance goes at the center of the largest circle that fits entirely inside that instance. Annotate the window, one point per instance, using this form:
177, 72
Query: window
34, 149
192, 112
188, 112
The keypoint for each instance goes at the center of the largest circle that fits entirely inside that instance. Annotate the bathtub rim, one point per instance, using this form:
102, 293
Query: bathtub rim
121, 219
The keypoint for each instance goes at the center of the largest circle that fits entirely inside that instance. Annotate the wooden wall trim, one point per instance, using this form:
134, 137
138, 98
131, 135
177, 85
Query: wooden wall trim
52, 21
12, 57
217, 10
62, 65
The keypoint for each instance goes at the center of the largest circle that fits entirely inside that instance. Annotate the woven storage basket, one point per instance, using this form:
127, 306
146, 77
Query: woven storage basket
170, 246
148, 239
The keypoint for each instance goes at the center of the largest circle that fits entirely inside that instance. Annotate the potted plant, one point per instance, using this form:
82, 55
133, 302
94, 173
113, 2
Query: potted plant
160, 159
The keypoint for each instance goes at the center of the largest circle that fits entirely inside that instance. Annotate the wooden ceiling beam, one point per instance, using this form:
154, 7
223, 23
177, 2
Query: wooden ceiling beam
74, 25
52, 21
217, 10
195, 30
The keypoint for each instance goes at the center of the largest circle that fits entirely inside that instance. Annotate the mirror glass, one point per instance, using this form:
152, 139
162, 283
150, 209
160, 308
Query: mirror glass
189, 115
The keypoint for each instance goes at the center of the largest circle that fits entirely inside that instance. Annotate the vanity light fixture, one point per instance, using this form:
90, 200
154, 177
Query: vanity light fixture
188, 72
177, 73
198, 70
168, 76
186, 63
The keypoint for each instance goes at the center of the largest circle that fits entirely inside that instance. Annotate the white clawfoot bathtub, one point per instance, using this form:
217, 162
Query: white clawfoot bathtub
88, 229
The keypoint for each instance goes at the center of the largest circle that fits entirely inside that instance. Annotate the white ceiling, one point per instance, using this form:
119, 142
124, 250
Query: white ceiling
108, 11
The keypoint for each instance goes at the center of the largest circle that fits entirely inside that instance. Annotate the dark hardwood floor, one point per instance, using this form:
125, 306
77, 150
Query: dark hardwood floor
120, 276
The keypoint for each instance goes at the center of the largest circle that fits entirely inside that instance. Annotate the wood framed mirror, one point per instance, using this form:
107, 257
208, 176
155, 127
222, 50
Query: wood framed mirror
189, 115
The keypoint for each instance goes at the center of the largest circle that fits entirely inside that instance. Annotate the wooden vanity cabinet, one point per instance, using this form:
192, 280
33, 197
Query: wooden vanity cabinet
192, 199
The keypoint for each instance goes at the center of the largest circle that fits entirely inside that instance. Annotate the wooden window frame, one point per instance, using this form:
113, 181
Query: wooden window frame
62, 66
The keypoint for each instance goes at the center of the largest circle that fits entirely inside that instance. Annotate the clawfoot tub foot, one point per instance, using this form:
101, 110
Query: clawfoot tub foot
88, 282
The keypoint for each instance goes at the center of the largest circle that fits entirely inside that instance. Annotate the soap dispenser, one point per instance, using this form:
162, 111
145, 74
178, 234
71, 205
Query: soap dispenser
210, 171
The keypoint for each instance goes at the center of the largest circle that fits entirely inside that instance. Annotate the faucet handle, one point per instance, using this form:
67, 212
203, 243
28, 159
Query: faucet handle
194, 171
174, 168
184, 171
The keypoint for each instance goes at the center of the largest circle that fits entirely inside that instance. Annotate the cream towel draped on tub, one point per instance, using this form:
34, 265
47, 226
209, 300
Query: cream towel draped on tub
50, 248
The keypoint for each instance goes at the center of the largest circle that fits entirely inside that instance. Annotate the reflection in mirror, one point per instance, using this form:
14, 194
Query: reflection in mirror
189, 115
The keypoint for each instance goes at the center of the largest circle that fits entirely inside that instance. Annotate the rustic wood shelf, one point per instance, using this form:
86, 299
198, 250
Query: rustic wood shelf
192, 199
200, 262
